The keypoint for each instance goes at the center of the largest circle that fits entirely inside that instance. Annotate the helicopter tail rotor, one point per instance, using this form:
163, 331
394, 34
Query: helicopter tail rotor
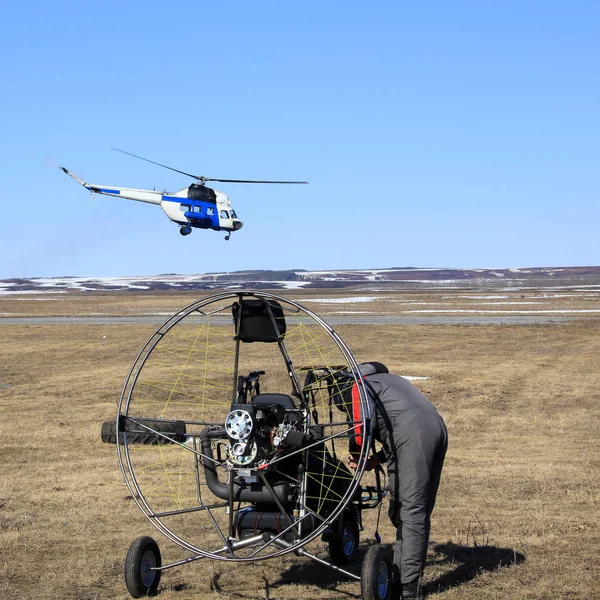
51, 162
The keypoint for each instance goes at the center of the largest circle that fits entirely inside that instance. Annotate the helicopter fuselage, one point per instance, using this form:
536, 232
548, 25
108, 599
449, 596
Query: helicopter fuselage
202, 207
194, 206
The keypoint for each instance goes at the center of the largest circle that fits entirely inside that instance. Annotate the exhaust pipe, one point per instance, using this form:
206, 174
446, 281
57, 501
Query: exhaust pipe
242, 492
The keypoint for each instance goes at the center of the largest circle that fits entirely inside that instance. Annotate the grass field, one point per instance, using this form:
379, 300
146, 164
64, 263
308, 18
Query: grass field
519, 504
584, 301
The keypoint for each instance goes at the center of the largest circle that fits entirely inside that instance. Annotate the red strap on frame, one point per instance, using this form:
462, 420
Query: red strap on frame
356, 414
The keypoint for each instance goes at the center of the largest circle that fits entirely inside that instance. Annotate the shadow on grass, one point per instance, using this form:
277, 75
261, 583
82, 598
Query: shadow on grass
466, 562
310, 572
461, 563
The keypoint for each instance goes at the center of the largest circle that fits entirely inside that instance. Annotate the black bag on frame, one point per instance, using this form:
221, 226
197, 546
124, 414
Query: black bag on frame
253, 322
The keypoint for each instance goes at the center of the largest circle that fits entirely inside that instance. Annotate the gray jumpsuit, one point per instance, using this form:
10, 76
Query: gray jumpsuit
415, 440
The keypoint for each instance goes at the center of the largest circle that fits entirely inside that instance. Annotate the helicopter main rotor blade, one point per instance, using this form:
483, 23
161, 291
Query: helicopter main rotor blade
201, 178
248, 181
198, 177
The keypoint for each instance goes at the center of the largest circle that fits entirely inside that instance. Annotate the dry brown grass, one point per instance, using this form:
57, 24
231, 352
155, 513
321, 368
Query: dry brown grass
386, 302
517, 512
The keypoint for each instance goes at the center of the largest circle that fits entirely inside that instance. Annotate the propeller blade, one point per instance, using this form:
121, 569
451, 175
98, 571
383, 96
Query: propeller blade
249, 181
198, 177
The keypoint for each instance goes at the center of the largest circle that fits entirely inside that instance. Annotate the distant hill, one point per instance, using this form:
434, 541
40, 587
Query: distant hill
385, 278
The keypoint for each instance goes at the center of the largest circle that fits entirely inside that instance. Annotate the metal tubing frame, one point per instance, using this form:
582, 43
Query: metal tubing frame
261, 538
302, 552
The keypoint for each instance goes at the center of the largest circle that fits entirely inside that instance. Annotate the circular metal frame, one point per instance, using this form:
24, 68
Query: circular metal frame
275, 547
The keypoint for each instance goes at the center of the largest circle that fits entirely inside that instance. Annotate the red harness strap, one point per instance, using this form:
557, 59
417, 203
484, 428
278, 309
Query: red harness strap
356, 415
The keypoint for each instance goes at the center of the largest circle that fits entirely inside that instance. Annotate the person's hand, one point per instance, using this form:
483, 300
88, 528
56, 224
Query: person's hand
372, 462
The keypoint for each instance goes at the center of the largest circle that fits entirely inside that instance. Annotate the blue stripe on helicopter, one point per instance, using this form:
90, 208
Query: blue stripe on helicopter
182, 200
188, 201
202, 221
203, 217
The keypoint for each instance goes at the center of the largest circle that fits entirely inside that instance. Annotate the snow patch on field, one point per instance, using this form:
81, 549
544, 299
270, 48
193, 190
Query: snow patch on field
503, 297
568, 296
349, 300
24, 292
509, 303
293, 285
504, 312
61, 285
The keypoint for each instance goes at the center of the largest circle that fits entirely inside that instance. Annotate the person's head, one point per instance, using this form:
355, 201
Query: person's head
343, 399
371, 368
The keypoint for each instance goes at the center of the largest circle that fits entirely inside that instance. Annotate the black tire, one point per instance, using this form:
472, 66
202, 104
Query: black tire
142, 555
137, 435
343, 548
376, 575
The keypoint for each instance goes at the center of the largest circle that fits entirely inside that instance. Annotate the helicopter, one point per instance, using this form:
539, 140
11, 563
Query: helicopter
196, 206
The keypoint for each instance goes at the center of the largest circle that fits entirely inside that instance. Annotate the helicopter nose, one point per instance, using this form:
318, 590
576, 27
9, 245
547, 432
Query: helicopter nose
237, 224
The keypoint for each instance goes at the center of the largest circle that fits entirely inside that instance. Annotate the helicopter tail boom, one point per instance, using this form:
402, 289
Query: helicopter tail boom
149, 196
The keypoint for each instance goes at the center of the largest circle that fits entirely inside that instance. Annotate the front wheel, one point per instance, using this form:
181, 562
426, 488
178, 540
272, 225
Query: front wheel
143, 556
376, 575
185, 230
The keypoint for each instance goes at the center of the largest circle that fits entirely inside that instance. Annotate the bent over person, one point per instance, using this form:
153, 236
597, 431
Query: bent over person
414, 440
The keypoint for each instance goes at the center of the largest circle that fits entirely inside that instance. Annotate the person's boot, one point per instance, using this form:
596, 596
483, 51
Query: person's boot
396, 586
412, 591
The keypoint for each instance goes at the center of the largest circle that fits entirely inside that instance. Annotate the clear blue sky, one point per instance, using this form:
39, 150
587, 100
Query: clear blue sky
440, 134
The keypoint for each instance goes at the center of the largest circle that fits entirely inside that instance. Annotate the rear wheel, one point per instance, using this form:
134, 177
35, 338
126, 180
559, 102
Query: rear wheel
344, 546
376, 574
142, 557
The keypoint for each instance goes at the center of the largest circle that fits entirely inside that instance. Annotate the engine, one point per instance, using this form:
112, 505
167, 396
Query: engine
257, 431
254, 433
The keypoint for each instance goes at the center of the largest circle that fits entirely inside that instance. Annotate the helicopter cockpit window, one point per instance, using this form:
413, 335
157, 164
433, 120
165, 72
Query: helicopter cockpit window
224, 214
233, 215
184, 207
210, 211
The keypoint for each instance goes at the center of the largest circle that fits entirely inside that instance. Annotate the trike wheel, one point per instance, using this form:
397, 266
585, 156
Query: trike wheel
143, 556
376, 575
343, 548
